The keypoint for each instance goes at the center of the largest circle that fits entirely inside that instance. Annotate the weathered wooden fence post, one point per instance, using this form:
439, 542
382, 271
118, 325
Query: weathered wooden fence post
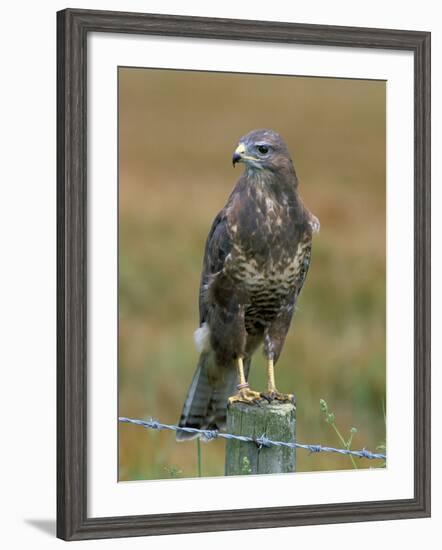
275, 421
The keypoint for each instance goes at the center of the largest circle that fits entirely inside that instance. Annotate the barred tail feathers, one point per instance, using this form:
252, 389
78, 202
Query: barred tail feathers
205, 406
196, 405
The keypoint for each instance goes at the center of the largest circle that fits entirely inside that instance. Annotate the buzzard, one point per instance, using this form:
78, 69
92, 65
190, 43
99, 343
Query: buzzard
255, 263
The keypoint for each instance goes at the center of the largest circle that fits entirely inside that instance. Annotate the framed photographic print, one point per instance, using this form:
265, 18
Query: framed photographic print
240, 346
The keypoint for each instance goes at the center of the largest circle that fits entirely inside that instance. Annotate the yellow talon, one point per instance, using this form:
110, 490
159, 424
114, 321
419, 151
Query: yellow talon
272, 394
246, 395
275, 395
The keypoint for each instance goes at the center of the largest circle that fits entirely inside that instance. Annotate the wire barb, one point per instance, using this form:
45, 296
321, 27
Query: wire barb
262, 441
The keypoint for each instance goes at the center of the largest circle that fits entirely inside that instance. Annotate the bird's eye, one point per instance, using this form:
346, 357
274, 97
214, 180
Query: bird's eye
263, 149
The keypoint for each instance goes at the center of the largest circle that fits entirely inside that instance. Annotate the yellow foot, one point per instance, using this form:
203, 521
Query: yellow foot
275, 395
246, 395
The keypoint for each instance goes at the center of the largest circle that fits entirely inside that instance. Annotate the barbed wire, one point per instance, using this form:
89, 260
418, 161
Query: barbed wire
262, 441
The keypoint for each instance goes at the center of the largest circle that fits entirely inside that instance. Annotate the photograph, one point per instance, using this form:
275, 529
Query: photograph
251, 274
217, 261
243, 273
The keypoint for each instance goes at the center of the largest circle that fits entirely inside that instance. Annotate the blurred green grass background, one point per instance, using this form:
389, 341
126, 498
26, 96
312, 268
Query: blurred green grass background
177, 132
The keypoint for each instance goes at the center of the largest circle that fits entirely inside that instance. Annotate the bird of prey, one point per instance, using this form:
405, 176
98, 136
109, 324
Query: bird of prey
255, 263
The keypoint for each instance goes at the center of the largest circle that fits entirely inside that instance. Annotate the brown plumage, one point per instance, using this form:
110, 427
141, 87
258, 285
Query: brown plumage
256, 259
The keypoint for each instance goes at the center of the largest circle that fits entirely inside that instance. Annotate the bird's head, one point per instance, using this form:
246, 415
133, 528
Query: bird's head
263, 150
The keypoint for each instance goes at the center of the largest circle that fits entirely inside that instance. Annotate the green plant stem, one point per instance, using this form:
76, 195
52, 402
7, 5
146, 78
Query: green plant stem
349, 442
198, 453
346, 445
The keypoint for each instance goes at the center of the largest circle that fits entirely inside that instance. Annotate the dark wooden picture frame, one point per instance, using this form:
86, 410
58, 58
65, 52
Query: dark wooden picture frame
73, 27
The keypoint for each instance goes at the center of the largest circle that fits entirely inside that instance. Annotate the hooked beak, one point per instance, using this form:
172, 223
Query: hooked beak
238, 154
